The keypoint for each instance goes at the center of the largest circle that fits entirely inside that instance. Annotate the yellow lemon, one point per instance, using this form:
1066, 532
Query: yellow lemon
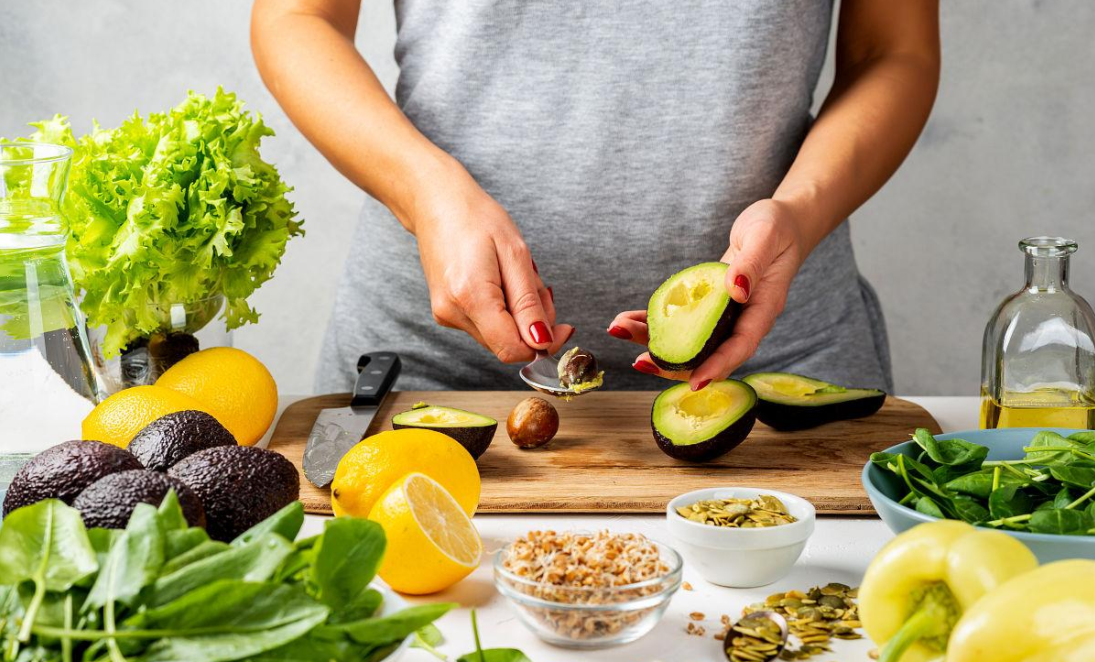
432, 544
234, 386
120, 417
370, 468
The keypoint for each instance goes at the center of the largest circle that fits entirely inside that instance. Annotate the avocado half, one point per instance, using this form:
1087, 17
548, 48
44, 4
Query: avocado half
793, 402
473, 431
689, 315
701, 425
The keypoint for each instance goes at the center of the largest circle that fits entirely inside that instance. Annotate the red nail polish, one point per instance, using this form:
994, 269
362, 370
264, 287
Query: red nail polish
534, 267
551, 294
642, 365
702, 385
569, 336
540, 333
619, 332
742, 282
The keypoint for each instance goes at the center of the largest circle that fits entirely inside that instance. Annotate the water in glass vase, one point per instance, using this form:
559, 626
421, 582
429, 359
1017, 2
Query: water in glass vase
1042, 408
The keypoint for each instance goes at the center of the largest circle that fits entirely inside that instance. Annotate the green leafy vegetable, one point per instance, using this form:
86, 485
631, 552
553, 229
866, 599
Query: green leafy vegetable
175, 207
490, 654
160, 591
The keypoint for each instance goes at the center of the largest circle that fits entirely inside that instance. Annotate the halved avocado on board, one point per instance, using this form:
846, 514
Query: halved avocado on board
701, 425
689, 315
794, 402
473, 431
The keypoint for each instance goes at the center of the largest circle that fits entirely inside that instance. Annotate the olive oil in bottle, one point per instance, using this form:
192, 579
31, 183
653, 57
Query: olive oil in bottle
1038, 360
1043, 408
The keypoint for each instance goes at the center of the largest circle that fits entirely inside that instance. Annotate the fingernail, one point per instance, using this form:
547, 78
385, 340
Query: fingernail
534, 267
569, 336
642, 365
619, 332
742, 283
540, 333
551, 294
702, 385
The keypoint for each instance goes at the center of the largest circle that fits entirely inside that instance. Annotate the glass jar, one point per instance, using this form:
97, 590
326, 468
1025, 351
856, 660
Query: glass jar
47, 385
184, 328
1038, 358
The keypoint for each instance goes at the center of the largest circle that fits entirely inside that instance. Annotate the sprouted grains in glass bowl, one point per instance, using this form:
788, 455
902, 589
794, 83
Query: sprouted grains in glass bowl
588, 589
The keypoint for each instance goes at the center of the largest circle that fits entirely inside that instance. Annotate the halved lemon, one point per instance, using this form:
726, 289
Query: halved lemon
432, 544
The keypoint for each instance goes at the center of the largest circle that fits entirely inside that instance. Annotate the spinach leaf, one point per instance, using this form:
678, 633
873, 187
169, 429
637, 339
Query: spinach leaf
388, 629
46, 544
1063, 498
428, 638
171, 513
255, 561
134, 561
969, 509
490, 654
1086, 437
1061, 521
181, 541
1082, 477
346, 560
1009, 501
980, 484
199, 553
1057, 449
229, 619
951, 452
928, 507
285, 522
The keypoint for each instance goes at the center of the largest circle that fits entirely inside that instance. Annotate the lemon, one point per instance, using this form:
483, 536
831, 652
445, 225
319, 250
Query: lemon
235, 387
120, 417
370, 468
432, 544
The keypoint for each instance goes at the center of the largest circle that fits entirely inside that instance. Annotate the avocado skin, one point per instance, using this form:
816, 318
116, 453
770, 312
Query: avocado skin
108, 502
475, 440
721, 444
723, 328
239, 486
788, 418
168, 439
63, 471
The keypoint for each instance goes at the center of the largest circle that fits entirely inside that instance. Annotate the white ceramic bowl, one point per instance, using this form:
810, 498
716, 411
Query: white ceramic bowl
741, 558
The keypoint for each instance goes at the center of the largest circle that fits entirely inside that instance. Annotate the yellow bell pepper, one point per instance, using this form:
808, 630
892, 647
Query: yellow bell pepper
1046, 615
919, 585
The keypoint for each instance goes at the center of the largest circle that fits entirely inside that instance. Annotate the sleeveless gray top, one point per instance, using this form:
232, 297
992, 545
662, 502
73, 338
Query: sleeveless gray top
623, 137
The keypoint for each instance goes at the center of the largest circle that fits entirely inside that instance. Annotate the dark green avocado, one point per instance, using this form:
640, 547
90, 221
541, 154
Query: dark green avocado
690, 315
108, 502
239, 486
63, 471
473, 431
170, 438
793, 402
698, 426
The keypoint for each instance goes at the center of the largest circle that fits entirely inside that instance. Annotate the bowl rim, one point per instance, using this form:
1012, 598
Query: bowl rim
672, 580
799, 530
874, 492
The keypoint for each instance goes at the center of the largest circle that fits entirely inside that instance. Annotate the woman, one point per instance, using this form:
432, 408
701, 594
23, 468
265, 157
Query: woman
551, 163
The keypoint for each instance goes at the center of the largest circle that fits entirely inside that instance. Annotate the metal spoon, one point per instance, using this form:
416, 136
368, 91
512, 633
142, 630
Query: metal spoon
543, 376
751, 622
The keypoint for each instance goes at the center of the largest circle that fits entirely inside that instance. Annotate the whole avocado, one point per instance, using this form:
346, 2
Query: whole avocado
63, 471
239, 486
108, 502
168, 439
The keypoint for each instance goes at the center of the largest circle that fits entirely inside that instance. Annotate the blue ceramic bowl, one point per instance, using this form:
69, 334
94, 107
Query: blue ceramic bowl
885, 489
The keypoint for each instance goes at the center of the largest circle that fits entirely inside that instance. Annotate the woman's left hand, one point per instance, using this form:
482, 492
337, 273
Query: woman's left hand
764, 255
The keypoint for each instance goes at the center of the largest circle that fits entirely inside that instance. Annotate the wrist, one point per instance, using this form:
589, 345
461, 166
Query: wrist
805, 217
421, 183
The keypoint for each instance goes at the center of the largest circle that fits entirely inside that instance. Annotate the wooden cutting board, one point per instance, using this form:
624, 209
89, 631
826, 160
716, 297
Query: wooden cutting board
604, 458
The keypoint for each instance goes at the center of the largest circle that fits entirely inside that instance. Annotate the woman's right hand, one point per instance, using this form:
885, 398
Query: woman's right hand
480, 272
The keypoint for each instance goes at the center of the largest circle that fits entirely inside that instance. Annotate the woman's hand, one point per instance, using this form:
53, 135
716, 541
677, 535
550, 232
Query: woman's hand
481, 275
764, 256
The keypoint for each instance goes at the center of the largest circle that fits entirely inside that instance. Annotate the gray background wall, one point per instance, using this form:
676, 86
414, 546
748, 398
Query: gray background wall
1009, 152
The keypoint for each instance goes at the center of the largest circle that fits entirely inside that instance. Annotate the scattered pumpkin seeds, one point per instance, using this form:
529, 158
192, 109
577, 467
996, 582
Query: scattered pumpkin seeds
765, 510
755, 638
814, 618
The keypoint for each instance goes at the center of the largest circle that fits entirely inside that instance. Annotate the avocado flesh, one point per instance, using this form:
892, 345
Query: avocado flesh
702, 425
689, 315
472, 431
794, 402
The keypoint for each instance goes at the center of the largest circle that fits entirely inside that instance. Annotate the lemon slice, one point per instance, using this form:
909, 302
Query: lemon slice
432, 543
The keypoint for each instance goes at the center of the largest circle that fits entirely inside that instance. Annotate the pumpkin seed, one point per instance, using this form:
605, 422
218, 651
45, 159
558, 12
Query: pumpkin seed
763, 511
814, 618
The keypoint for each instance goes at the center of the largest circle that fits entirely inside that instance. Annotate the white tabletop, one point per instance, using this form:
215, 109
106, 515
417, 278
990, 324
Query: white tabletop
839, 551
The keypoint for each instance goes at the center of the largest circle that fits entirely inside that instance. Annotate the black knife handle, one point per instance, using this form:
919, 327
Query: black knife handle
376, 374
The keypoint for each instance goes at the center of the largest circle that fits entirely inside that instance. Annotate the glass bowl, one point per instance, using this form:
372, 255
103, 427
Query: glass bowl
588, 617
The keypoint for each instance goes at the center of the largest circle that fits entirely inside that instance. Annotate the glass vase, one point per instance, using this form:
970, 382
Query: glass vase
1038, 359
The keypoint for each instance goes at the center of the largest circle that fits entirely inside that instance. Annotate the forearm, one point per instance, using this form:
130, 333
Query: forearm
867, 126
308, 61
